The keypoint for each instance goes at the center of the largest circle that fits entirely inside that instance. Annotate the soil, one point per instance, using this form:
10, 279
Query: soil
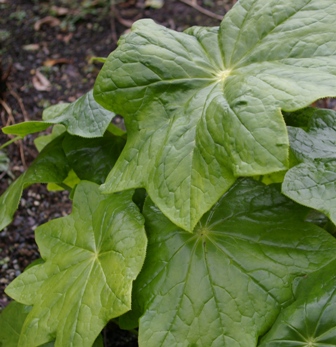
46, 51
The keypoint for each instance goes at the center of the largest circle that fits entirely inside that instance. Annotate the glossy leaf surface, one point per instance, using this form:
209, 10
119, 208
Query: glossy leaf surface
313, 182
50, 166
310, 320
91, 259
84, 117
204, 107
225, 284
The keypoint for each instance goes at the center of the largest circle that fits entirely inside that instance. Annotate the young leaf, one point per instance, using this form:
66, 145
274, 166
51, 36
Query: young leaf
84, 117
91, 259
50, 166
310, 320
313, 182
204, 106
225, 284
25, 128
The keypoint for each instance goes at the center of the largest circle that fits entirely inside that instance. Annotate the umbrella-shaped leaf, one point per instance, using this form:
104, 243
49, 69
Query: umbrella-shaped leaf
84, 117
224, 285
310, 321
91, 259
204, 106
50, 166
313, 182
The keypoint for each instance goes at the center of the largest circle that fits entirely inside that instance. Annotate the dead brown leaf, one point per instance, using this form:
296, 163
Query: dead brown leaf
60, 11
52, 62
40, 82
65, 38
31, 47
52, 21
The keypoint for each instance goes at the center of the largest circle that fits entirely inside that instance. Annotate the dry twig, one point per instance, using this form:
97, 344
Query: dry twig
20, 102
201, 9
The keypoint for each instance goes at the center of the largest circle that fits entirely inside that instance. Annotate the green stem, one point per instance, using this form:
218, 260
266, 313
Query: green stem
11, 141
65, 186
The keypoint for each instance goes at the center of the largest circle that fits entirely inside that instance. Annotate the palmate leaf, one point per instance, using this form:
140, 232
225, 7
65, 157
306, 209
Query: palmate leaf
91, 259
84, 117
313, 182
224, 285
310, 321
204, 106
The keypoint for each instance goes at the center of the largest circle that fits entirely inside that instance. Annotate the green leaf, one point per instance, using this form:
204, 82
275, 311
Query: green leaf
69, 182
50, 166
225, 284
204, 107
313, 182
25, 128
313, 185
310, 321
91, 259
4, 164
41, 141
93, 159
11, 321
84, 117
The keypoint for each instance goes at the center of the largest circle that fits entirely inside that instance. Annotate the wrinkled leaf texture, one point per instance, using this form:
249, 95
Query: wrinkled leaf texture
313, 182
311, 319
91, 258
84, 117
203, 107
225, 284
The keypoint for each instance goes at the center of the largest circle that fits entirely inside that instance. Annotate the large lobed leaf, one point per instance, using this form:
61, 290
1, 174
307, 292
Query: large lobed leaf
313, 182
204, 107
310, 320
91, 259
225, 284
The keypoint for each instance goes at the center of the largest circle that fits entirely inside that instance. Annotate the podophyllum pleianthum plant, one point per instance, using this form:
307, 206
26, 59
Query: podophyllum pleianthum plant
209, 223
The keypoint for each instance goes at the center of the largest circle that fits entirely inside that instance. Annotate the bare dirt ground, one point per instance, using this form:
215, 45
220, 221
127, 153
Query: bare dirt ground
46, 50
